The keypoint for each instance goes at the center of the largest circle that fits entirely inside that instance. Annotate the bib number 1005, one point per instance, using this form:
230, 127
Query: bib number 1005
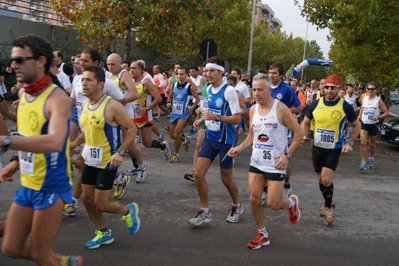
327, 138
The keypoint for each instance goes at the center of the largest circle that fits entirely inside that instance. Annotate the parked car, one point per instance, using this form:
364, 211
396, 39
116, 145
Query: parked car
390, 131
395, 98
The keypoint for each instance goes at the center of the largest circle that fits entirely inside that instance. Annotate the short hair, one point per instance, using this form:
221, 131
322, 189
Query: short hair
195, 68
186, 70
97, 71
166, 73
279, 67
94, 54
294, 80
140, 65
262, 70
216, 60
375, 84
38, 46
126, 62
236, 69
59, 54
232, 78
264, 77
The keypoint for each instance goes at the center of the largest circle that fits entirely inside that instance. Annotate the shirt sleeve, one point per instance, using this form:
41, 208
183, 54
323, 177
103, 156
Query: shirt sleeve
310, 109
232, 98
161, 81
68, 69
350, 112
112, 90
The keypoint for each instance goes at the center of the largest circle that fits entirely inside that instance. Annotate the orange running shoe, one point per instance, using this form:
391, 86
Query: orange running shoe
323, 209
259, 241
294, 212
329, 217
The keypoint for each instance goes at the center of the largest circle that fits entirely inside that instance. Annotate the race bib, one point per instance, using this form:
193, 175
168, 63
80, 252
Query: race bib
177, 108
203, 103
93, 155
26, 162
211, 124
264, 154
324, 138
136, 106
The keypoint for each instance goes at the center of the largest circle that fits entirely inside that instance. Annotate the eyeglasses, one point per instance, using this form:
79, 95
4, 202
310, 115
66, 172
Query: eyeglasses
20, 60
370, 89
330, 87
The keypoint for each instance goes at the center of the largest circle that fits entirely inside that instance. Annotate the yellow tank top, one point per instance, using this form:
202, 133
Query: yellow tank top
144, 100
102, 140
49, 172
311, 127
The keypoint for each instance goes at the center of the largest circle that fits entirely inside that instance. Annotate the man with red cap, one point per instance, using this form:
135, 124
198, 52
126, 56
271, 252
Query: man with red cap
330, 114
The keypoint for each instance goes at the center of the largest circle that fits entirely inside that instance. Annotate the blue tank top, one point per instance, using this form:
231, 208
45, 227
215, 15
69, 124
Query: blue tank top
180, 101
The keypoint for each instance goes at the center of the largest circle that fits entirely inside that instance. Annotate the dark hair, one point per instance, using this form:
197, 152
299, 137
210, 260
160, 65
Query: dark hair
236, 69
375, 84
126, 62
262, 70
279, 67
59, 54
232, 78
94, 55
97, 71
166, 73
38, 46
186, 70
216, 60
140, 66
195, 68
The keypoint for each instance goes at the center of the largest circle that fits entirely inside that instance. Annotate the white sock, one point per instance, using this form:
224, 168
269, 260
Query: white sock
238, 205
118, 180
292, 203
141, 166
206, 210
185, 140
263, 232
75, 201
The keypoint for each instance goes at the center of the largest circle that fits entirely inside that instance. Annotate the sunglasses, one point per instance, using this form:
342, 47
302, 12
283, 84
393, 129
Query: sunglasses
20, 60
370, 89
330, 87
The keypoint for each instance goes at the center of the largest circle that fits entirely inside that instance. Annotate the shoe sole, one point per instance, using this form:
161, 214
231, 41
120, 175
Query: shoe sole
69, 214
329, 224
102, 243
207, 220
259, 246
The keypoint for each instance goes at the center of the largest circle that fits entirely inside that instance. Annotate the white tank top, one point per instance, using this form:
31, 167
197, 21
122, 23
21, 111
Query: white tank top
370, 108
270, 140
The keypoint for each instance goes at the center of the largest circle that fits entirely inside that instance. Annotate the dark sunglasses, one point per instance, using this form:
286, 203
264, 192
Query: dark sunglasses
330, 87
20, 60
370, 89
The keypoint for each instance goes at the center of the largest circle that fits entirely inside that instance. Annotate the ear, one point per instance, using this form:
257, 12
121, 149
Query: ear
41, 61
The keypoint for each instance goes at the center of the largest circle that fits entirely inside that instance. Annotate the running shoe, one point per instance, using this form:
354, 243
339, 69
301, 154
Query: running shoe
259, 241
190, 176
137, 139
371, 163
363, 166
161, 137
120, 188
69, 209
175, 158
73, 260
132, 218
141, 174
234, 214
323, 209
193, 132
187, 144
157, 118
329, 217
167, 129
287, 192
263, 198
294, 212
201, 218
166, 151
100, 239
131, 171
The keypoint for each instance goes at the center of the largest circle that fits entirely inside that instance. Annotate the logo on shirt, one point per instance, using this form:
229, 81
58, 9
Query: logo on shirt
279, 96
270, 125
94, 121
219, 102
263, 138
336, 115
33, 121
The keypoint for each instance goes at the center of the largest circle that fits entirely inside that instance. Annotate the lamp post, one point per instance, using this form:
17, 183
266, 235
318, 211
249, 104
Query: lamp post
251, 40
306, 40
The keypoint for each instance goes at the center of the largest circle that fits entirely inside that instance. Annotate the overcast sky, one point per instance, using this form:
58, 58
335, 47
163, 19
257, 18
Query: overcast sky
293, 22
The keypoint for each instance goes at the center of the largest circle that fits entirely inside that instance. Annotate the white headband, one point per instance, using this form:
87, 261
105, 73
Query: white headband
215, 66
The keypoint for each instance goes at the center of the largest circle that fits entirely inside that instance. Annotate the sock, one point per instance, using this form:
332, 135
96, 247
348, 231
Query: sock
105, 230
265, 189
287, 185
134, 161
327, 193
206, 210
185, 140
263, 232
118, 179
75, 201
157, 144
238, 205
141, 166
176, 154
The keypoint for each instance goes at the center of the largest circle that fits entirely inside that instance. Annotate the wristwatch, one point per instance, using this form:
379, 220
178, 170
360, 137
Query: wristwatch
218, 118
350, 142
14, 158
289, 156
6, 141
147, 109
121, 152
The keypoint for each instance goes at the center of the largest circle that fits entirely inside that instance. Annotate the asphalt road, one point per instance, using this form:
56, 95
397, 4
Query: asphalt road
366, 231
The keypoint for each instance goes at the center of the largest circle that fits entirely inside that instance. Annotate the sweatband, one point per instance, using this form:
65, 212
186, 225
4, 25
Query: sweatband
215, 66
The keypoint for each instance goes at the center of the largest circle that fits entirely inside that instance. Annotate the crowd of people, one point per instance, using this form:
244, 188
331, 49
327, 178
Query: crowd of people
112, 111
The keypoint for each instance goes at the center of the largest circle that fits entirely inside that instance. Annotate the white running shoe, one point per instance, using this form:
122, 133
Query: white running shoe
166, 151
200, 218
263, 198
234, 214
287, 192
141, 174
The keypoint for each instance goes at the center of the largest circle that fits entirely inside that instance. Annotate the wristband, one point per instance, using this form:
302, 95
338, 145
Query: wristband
350, 142
14, 158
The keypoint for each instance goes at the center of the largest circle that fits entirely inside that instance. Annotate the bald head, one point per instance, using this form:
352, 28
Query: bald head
114, 63
141, 61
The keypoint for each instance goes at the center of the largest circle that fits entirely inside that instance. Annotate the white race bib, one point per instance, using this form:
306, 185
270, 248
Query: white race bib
264, 154
136, 106
204, 103
177, 108
26, 162
211, 124
93, 155
325, 138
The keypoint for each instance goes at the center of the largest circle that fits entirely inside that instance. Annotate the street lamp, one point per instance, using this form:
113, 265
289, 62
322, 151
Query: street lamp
251, 40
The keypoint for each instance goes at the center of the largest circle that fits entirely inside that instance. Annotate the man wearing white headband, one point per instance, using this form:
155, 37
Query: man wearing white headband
220, 116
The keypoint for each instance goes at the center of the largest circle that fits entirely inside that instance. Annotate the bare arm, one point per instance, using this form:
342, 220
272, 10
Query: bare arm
194, 93
128, 83
233, 152
383, 109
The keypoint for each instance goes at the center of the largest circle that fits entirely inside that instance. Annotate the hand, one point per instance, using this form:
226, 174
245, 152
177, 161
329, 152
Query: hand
233, 152
8, 171
198, 123
141, 111
347, 148
282, 162
374, 118
115, 160
303, 140
15, 104
168, 105
208, 116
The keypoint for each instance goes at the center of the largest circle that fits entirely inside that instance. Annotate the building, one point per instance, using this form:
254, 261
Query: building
265, 13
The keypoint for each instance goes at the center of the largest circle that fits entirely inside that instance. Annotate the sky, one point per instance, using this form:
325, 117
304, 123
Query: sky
289, 14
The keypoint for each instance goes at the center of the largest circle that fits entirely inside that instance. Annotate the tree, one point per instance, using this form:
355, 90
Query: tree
364, 37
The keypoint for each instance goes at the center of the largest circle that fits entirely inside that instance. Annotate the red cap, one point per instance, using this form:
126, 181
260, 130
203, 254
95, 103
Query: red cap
333, 79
